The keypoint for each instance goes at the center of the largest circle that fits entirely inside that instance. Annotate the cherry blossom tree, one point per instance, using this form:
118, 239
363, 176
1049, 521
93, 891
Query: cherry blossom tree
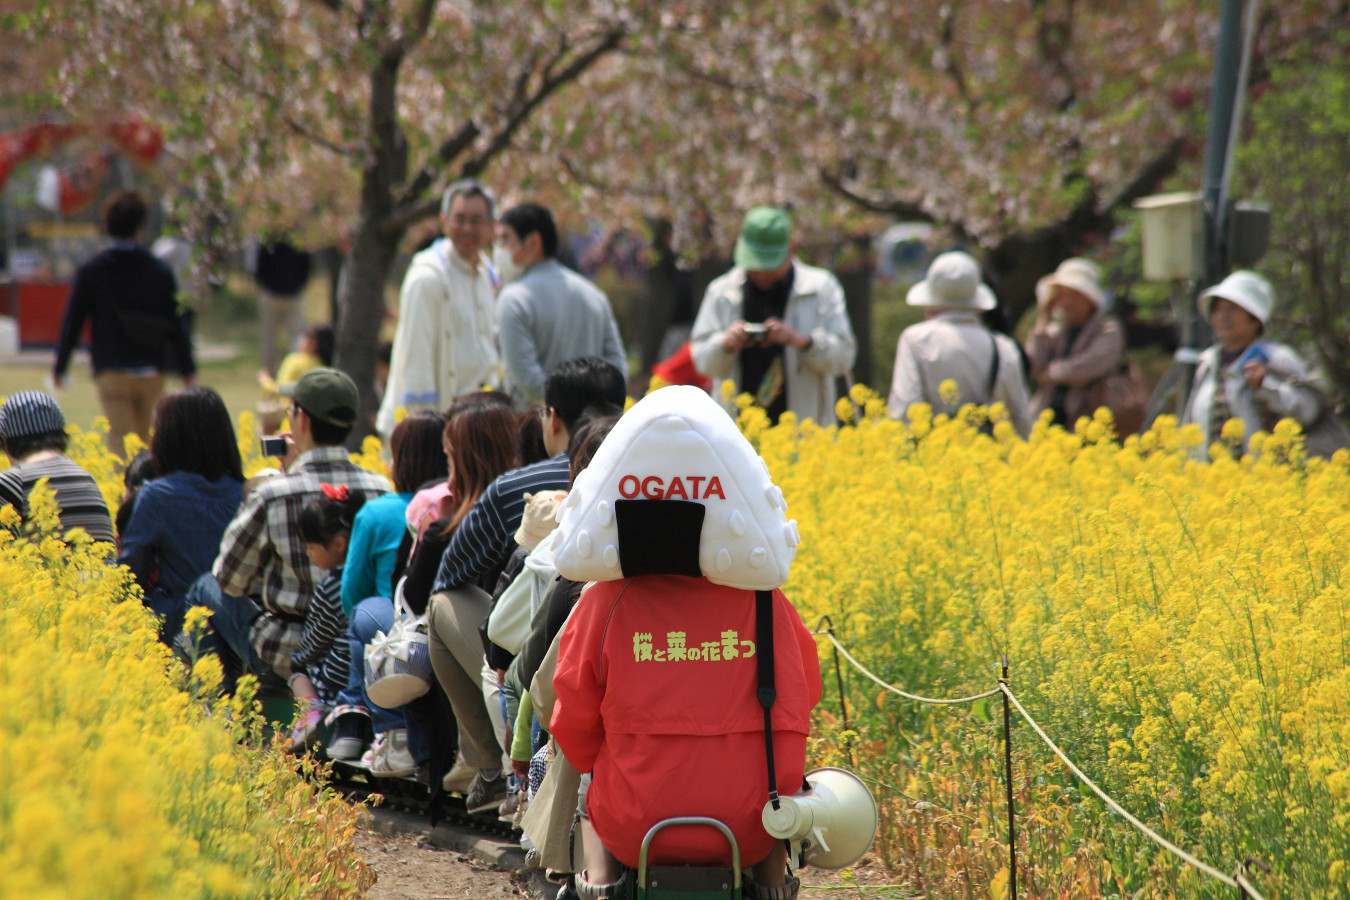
282, 112
1021, 127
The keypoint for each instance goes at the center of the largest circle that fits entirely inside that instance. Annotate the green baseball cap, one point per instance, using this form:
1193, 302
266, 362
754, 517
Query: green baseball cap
766, 239
327, 395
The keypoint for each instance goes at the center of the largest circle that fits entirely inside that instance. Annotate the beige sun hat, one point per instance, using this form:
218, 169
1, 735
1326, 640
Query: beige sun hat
953, 282
1245, 289
1079, 274
539, 518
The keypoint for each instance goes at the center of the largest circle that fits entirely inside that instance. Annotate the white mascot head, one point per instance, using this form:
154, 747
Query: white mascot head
676, 489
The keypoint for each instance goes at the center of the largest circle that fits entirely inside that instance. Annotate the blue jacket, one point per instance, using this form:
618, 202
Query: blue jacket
175, 529
376, 534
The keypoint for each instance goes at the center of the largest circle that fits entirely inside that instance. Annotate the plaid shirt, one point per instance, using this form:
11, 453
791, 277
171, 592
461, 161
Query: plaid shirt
262, 555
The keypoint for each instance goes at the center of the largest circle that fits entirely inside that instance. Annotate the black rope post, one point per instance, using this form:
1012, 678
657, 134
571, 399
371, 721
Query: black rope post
1008, 780
843, 700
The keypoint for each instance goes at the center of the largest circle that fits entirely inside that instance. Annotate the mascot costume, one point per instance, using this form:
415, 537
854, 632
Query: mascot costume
661, 691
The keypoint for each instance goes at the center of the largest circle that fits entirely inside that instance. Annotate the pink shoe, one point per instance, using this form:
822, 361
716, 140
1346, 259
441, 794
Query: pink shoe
306, 730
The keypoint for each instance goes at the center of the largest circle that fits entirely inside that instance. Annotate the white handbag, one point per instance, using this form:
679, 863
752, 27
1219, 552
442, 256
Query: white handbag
398, 661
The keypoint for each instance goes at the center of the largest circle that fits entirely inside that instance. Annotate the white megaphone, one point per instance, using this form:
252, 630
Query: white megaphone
829, 826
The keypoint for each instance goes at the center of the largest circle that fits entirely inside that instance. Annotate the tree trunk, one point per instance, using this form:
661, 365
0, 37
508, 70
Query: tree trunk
362, 303
374, 244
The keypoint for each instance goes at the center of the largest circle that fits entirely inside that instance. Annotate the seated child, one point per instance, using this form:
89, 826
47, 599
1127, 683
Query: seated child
679, 525
316, 349
322, 659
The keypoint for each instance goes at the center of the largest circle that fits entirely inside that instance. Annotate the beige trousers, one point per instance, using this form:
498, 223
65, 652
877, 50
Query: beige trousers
278, 315
128, 401
457, 656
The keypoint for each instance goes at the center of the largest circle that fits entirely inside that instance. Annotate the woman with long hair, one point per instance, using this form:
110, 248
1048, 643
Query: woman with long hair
181, 513
478, 441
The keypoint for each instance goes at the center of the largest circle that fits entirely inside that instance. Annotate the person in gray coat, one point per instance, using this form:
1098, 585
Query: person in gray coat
546, 313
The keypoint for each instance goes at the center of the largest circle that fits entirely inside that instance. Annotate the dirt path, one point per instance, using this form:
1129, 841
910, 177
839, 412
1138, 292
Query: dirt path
408, 867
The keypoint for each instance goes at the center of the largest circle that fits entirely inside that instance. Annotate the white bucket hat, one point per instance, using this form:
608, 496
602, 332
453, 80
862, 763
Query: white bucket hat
1244, 288
953, 282
1081, 275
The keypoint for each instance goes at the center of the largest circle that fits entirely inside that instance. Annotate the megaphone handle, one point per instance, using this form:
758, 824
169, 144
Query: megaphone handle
818, 836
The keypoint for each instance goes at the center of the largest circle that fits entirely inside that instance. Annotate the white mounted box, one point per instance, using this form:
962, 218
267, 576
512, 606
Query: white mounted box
1173, 235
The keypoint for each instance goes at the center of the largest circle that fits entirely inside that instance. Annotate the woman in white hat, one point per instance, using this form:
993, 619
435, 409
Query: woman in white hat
1074, 343
953, 344
1241, 376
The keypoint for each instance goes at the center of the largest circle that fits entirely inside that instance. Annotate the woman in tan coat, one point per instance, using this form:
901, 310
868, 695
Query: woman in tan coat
1073, 343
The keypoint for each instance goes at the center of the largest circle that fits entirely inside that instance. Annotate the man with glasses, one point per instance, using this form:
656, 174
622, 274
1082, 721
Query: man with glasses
446, 343
260, 586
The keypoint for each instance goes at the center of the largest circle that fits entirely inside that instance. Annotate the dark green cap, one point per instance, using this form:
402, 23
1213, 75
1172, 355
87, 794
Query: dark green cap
327, 395
766, 239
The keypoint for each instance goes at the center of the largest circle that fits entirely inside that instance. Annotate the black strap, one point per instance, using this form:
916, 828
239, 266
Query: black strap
766, 691
993, 371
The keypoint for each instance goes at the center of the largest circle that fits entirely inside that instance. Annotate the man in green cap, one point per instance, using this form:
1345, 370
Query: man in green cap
260, 586
774, 325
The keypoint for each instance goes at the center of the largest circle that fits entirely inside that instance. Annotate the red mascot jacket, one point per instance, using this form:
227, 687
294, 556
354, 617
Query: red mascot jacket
655, 688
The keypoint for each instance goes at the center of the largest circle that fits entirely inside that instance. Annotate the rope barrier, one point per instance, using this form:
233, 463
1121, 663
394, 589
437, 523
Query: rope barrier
1237, 880
1122, 812
932, 701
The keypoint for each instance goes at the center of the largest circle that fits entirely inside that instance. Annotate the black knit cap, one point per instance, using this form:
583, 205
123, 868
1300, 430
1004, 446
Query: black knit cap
29, 413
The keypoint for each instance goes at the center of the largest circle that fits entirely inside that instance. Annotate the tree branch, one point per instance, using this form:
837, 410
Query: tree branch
1146, 179
606, 187
449, 149
295, 125
901, 209
949, 63
608, 42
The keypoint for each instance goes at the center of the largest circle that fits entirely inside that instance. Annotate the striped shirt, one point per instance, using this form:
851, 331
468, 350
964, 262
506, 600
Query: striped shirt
324, 653
79, 502
263, 556
484, 540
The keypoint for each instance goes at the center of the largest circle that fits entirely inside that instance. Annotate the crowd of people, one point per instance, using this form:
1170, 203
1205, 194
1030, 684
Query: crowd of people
511, 380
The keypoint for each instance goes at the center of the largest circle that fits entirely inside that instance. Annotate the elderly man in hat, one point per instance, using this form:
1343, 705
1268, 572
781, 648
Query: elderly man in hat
953, 344
1074, 343
775, 326
260, 587
33, 431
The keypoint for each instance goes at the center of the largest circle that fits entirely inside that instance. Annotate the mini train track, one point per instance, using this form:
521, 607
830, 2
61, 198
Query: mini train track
412, 796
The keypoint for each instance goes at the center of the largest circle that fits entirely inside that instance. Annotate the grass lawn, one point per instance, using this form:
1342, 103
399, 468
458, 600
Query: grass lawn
227, 324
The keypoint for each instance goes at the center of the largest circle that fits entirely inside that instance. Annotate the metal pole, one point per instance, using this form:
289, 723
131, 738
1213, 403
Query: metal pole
1008, 781
843, 701
1222, 99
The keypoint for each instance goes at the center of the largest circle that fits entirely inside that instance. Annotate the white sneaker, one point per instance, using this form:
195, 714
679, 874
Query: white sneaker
394, 760
459, 777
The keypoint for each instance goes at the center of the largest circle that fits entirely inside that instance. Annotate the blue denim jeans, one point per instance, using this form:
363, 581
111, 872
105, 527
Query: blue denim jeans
369, 618
228, 634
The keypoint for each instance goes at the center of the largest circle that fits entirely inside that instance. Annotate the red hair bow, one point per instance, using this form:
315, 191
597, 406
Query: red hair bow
335, 492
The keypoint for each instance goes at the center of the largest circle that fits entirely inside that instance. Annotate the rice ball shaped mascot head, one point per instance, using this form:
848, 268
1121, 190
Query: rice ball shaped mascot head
676, 489
684, 537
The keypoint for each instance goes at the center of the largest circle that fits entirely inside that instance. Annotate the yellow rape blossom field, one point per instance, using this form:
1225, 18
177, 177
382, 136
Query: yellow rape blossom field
1179, 628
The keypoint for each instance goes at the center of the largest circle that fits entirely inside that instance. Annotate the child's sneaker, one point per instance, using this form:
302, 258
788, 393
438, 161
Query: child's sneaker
349, 737
306, 730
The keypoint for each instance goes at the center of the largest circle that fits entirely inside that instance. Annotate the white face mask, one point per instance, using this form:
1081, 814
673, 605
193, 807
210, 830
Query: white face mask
507, 270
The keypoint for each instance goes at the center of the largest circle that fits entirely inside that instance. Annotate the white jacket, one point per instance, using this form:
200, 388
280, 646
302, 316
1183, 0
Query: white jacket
1282, 393
446, 343
816, 307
